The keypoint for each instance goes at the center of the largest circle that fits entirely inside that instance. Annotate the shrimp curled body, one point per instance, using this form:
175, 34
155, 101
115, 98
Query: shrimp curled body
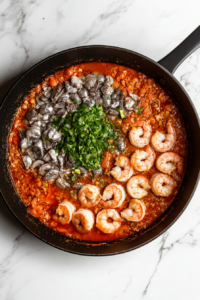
143, 160
108, 220
89, 195
123, 170
137, 186
135, 212
166, 163
64, 212
113, 196
162, 184
140, 136
164, 142
83, 220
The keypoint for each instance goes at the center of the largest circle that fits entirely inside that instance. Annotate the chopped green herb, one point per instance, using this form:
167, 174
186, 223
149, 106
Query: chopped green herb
85, 149
75, 101
108, 98
73, 178
45, 184
47, 140
77, 171
102, 180
136, 119
37, 176
140, 110
122, 115
111, 148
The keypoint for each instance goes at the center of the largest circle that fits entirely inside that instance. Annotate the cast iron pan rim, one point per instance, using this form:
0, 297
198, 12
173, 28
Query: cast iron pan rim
194, 109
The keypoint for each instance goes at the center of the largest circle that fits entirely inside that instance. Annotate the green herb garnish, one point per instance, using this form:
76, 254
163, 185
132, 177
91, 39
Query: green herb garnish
77, 171
45, 184
122, 115
101, 180
140, 110
75, 101
47, 140
73, 178
108, 98
87, 136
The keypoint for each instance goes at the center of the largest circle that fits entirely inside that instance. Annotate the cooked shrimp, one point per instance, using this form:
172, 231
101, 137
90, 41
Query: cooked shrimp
164, 142
89, 195
123, 170
113, 196
83, 220
64, 212
137, 186
162, 184
166, 163
140, 136
143, 160
108, 220
135, 212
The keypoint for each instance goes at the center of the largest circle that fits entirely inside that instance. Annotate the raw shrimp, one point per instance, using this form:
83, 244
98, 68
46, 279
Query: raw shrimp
108, 220
89, 195
164, 142
143, 160
162, 184
137, 186
123, 170
64, 212
165, 163
135, 212
113, 196
83, 220
140, 136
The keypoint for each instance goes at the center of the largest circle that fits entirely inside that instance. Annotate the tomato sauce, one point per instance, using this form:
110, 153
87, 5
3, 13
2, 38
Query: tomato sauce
42, 198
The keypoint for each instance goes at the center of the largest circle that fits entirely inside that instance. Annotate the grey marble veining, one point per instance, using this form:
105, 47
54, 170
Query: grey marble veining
168, 267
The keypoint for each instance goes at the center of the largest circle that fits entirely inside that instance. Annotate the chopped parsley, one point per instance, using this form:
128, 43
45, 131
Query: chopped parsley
108, 98
101, 180
73, 178
140, 110
122, 115
87, 136
45, 184
75, 101
121, 112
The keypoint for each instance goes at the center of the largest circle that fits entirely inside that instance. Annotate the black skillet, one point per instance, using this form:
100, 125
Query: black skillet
162, 72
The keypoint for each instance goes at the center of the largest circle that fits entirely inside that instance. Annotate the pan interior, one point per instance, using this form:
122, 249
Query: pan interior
65, 59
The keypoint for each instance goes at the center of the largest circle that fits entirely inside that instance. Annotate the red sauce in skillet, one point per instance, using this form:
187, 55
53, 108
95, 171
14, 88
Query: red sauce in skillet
42, 199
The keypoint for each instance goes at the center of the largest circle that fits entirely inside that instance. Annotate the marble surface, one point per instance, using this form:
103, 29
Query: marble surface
168, 267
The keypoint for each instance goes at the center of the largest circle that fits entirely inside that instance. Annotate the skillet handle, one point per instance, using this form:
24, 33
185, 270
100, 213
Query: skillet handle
172, 60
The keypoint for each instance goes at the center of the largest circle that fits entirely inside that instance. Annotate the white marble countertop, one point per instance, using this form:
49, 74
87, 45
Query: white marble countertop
168, 267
